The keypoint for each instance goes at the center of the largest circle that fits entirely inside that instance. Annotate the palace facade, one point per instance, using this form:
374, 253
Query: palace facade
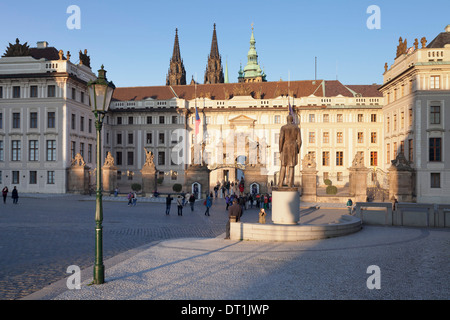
239, 121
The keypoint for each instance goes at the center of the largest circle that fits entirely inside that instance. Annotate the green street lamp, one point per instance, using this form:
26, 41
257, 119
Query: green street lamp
100, 94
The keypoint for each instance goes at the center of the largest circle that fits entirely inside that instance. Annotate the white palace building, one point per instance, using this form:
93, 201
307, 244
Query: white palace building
45, 120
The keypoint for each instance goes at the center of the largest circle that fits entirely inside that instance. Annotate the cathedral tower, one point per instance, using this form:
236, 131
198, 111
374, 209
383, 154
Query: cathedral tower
252, 71
177, 73
214, 70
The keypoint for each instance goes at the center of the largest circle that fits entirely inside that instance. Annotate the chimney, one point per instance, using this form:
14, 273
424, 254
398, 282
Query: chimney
42, 44
447, 28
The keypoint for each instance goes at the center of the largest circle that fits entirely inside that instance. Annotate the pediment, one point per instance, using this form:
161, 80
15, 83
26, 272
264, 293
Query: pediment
242, 120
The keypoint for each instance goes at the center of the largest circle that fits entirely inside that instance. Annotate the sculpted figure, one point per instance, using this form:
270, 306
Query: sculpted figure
109, 161
78, 160
290, 143
148, 158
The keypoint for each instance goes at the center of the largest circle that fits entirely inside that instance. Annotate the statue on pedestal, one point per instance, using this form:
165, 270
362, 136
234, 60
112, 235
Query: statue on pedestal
149, 159
290, 143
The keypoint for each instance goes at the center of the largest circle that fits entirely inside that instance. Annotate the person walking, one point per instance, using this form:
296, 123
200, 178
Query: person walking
134, 199
349, 206
266, 201
15, 195
235, 213
208, 205
180, 205
130, 198
227, 201
192, 201
168, 203
5, 193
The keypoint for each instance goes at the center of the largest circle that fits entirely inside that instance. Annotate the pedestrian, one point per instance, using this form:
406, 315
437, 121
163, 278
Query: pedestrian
208, 204
216, 190
394, 204
15, 195
130, 198
250, 199
134, 199
180, 205
227, 201
5, 193
235, 214
349, 206
262, 216
242, 203
168, 203
192, 201
116, 191
266, 202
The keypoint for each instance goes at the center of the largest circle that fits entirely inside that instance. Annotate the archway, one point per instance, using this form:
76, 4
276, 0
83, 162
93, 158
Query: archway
196, 190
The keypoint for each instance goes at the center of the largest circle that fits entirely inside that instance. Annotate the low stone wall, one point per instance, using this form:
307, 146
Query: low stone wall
407, 214
275, 232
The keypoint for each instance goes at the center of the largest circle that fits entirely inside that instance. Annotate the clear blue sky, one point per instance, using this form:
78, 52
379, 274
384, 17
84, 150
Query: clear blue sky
134, 39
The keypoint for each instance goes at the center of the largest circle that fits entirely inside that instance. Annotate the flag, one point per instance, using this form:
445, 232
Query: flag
197, 120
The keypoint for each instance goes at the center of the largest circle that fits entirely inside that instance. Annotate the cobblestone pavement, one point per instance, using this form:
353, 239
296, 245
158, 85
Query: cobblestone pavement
44, 234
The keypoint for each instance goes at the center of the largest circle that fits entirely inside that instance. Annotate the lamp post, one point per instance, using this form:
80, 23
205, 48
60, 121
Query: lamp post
100, 94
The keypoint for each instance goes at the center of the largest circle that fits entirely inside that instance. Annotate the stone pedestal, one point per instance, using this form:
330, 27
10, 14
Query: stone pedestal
148, 179
400, 175
197, 174
285, 205
309, 185
78, 179
358, 183
109, 179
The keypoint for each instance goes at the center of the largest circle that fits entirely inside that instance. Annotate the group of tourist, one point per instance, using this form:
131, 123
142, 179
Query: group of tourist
228, 188
14, 194
183, 200
259, 200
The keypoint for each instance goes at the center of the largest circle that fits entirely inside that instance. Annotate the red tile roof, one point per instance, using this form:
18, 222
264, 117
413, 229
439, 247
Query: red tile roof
259, 90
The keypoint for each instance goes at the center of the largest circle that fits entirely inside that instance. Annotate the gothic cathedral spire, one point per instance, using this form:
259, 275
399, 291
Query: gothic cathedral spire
214, 70
177, 73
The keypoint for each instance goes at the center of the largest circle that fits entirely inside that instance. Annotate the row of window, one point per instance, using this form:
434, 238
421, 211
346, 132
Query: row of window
51, 121
160, 160
340, 117
434, 83
161, 174
33, 150
33, 177
50, 150
81, 150
17, 92
33, 120
73, 123
149, 138
398, 119
434, 150
340, 137
149, 120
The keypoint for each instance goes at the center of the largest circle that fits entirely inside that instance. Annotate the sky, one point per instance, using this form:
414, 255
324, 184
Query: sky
134, 39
